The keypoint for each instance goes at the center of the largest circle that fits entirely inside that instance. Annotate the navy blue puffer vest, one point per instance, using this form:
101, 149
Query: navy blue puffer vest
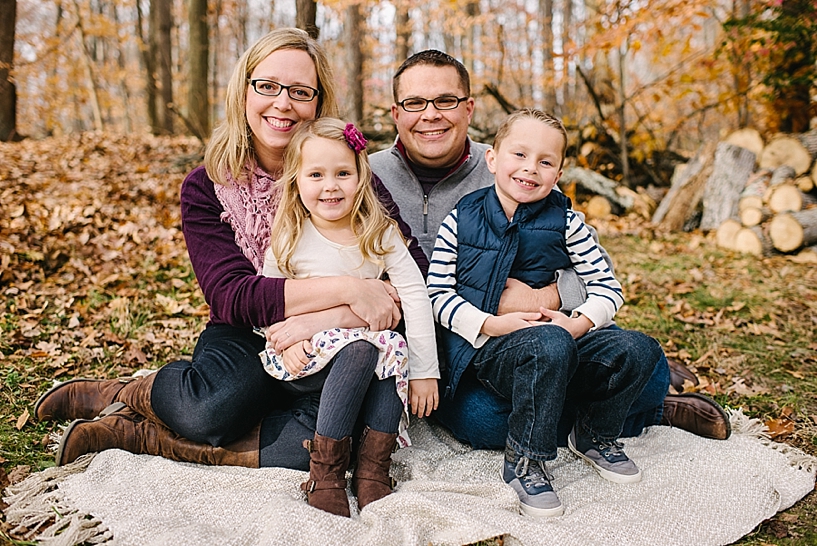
490, 249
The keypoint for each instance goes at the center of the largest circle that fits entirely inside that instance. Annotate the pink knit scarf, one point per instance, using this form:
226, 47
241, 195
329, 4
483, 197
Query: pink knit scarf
249, 209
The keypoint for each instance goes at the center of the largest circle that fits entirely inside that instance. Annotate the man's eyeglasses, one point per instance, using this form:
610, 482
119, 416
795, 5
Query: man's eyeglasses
269, 88
446, 102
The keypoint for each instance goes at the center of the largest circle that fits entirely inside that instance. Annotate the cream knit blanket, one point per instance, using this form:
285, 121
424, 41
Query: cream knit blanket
694, 491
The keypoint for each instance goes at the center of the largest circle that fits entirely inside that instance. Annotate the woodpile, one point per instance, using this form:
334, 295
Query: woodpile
758, 198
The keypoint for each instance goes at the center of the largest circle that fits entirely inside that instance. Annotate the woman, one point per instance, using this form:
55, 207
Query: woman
222, 407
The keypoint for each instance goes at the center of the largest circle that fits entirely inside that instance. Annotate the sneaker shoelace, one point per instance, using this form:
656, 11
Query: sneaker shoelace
612, 451
535, 475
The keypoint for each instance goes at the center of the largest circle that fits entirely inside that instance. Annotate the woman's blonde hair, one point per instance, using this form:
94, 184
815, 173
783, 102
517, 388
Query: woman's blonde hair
369, 218
230, 148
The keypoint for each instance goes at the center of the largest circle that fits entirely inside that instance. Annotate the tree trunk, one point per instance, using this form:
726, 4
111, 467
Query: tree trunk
146, 48
161, 51
198, 97
731, 170
567, 45
548, 74
472, 11
790, 231
402, 22
306, 13
8, 91
354, 49
622, 105
686, 192
87, 65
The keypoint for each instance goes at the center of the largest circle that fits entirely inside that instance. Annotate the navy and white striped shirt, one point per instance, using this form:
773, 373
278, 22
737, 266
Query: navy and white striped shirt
604, 294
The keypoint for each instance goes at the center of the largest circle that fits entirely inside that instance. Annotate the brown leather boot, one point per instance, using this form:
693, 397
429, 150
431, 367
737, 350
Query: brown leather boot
119, 427
79, 398
371, 480
136, 395
679, 374
326, 487
697, 414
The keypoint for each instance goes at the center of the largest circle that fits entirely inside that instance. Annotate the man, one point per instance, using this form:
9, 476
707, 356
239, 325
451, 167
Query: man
433, 164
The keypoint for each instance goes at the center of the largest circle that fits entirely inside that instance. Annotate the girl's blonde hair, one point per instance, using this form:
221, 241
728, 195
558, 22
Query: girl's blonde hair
369, 218
230, 148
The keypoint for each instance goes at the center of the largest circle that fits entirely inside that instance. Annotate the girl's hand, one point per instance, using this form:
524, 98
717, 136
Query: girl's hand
576, 326
295, 357
300, 327
374, 301
424, 397
495, 326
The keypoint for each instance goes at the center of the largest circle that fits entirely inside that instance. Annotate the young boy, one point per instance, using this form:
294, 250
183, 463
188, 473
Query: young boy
521, 229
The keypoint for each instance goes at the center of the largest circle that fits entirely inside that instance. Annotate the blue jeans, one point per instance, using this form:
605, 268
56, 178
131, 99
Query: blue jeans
479, 416
224, 392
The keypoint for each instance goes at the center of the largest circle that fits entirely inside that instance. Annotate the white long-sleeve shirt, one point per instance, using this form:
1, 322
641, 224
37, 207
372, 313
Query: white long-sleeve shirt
317, 256
604, 294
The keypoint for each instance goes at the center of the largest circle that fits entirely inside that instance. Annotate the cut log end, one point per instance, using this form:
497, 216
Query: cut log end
785, 150
752, 240
790, 231
726, 233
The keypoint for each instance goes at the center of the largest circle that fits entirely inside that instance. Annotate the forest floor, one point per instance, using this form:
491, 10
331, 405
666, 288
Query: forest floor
95, 282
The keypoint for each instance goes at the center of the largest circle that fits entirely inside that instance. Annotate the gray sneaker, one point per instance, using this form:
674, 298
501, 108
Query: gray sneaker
607, 458
531, 481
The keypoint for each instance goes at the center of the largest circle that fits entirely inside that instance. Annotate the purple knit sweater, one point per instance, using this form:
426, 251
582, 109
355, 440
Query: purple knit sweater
236, 295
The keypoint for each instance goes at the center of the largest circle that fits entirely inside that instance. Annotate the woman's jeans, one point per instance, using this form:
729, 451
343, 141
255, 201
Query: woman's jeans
224, 392
482, 414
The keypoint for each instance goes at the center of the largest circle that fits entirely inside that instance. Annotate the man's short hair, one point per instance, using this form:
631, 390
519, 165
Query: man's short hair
433, 57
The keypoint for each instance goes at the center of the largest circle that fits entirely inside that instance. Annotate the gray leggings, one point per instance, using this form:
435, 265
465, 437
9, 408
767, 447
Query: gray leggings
341, 398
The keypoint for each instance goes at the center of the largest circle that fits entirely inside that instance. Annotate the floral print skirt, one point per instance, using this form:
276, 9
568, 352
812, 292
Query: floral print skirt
392, 361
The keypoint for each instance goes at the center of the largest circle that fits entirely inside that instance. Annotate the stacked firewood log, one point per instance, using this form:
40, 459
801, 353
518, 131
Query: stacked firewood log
758, 198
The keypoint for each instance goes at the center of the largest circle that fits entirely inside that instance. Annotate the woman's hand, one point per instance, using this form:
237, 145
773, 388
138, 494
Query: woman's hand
424, 397
300, 327
295, 357
495, 326
375, 302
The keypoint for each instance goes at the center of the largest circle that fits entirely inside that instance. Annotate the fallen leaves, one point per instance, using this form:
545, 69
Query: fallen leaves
22, 420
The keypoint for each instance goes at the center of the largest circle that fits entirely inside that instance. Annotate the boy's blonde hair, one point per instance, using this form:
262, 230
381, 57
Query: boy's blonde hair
538, 115
230, 148
368, 218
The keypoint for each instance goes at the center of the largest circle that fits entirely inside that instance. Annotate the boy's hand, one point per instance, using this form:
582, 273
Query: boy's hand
423, 396
576, 326
295, 357
495, 326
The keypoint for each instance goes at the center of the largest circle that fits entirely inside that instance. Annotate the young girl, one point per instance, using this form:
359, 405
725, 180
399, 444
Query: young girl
329, 223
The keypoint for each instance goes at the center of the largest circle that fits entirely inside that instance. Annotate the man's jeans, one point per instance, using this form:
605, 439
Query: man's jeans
480, 417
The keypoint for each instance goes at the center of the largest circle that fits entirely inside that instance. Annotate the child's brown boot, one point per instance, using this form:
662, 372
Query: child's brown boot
371, 480
326, 487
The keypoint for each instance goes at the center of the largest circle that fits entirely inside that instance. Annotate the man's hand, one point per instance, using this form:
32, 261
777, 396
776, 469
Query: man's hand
519, 297
495, 326
576, 326
375, 302
423, 396
295, 357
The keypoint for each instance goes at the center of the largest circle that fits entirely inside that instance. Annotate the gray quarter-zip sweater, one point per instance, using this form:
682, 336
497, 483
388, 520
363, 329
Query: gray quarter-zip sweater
424, 213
